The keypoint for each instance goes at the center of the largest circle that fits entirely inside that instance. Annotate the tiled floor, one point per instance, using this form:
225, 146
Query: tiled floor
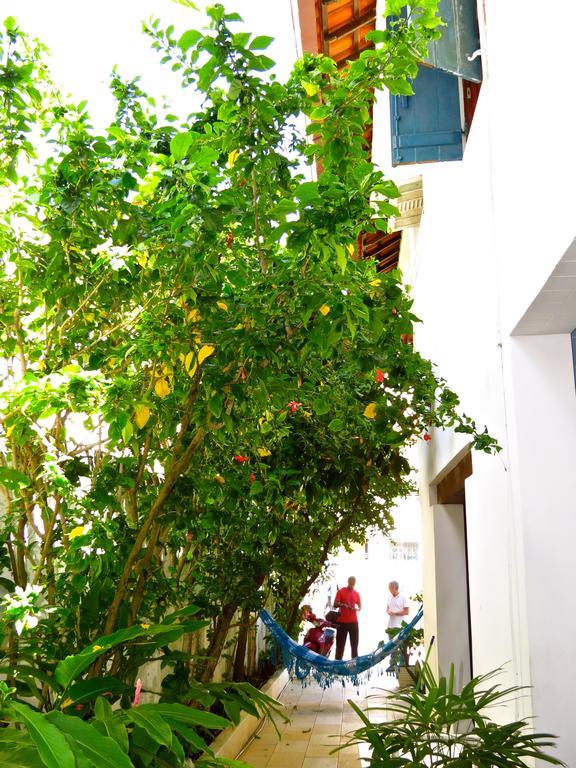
319, 721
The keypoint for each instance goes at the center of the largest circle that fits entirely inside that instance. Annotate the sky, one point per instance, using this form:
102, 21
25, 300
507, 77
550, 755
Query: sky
88, 37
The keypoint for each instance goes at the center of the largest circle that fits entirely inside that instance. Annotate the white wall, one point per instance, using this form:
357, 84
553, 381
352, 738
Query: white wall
543, 433
495, 226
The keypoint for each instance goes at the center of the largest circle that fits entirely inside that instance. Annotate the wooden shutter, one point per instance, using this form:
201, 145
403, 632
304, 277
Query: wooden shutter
427, 126
460, 40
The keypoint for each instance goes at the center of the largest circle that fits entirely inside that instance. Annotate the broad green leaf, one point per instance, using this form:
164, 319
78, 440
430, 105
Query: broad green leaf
13, 479
150, 720
23, 757
101, 750
112, 725
260, 43
180, 144
50, 742
189, 39
178, 713
87, 690
70, 667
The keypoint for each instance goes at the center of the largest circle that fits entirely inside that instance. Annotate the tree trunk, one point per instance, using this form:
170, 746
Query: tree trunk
239, 672
217, 642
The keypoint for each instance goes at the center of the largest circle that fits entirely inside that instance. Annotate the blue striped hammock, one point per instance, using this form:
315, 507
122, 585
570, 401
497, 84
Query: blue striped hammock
302, 663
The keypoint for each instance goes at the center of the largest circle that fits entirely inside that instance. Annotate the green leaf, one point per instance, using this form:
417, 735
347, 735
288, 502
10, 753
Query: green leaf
112, 725
23, 757
321, 406
240, 39
262, 63
260, 43
88, 690
189, 39
101, 750
178, 713
150, 720
70, 667
341, 258
50, 742
336, 425
181, 143
13, 479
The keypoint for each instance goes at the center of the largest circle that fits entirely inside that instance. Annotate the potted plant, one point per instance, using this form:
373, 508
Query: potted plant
434, 725
402, 661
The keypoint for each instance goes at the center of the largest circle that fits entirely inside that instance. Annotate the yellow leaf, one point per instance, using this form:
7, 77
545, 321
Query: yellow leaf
324, 309
141, 415
376, 282
222, 305
299, 380
193, 316
142, 259
219, 479
193, 369
188, 360
264, 452
66, 703
232, 157
97, 647
370, 411
145, 626
350, 248
10, 429
75, 532
162, 388
310, 88
238, 327
205, 352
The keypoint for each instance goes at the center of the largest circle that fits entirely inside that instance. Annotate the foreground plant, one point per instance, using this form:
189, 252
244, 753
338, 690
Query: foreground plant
80, 728
436, 726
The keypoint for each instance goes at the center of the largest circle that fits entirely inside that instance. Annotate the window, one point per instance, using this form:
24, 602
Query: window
404, 550
431, 124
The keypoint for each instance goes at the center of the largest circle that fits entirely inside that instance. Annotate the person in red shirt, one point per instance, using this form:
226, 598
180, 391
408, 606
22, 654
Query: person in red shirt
348, 601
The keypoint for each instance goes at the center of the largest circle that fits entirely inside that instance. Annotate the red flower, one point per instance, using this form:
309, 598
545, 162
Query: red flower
252, 477
379, 376
241, 459
427, 437
243, 374
293, 405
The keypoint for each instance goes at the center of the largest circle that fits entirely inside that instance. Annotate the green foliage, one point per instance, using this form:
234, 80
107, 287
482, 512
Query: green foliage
205, 389
437, 726
84, 730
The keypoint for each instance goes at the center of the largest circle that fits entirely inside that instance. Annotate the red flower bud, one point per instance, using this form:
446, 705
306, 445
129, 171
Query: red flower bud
293, 405
252, 477
427, 437
241, 459
379, 376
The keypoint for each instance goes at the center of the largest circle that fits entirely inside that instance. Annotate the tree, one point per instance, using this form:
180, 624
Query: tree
205, 388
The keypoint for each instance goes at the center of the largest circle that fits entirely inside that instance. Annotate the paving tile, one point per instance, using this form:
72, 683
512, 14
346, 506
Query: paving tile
320, 762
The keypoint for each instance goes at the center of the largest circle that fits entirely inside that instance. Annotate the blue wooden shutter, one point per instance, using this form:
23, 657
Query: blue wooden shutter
459, 42
427, 126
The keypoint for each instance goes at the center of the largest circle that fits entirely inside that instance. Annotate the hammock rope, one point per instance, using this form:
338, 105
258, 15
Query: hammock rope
302, 663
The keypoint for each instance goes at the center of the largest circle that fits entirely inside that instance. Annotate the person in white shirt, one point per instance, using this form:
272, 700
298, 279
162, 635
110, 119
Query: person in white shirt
397, 606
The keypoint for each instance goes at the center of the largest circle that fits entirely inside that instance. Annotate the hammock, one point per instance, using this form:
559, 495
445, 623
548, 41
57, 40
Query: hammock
302, 662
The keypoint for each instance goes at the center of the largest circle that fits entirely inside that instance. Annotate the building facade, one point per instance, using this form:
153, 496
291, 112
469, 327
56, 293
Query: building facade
491, 262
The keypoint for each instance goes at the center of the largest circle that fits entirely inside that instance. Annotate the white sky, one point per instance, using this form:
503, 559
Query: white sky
88, 37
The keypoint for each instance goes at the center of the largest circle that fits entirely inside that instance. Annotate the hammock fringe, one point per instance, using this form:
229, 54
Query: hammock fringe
303, 664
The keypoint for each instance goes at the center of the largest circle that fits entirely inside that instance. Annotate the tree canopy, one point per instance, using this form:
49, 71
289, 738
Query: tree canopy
205, 388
